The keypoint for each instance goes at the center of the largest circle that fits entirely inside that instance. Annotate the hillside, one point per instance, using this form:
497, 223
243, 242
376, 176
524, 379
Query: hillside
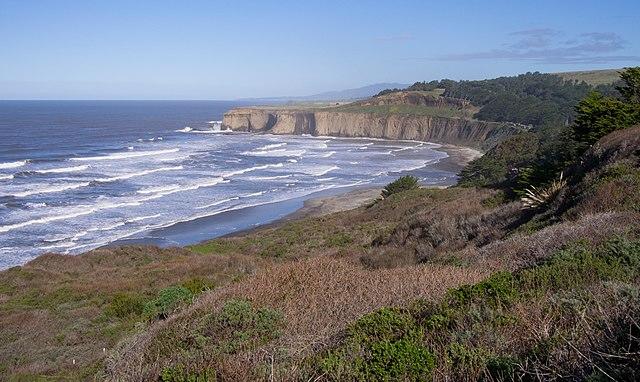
528, 269
296, 290
592, 77
423, 263
468, 113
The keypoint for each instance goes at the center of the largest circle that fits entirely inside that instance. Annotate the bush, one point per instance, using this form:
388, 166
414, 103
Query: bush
124, 305
180, 374
198, 285
404, 183
240, 326
381, 346
167, 301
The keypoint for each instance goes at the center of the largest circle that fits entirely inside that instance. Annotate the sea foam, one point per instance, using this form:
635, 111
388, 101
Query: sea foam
245, 170
50, 189
127, 155
137, 174
15, 164
62, 169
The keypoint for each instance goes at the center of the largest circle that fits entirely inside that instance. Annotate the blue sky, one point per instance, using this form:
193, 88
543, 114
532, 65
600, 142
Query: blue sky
229, 49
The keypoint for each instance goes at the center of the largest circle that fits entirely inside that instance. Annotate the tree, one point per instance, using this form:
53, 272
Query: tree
404, 183
630, 91
597, 116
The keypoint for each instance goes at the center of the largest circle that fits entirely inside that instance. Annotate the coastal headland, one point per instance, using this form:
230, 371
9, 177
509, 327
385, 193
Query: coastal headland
420, 116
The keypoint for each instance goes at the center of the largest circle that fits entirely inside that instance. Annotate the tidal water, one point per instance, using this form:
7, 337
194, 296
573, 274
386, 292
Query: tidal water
76, 175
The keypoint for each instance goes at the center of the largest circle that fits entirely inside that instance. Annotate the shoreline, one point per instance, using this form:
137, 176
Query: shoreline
241, 221
353, 197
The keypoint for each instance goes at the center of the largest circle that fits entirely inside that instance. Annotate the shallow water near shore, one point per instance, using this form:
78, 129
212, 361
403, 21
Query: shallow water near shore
79, 175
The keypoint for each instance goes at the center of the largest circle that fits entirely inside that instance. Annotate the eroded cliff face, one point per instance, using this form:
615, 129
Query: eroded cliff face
456, 131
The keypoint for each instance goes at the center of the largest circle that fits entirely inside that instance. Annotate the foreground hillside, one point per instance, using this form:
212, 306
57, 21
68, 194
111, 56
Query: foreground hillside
529, 269
473, 285
464, 287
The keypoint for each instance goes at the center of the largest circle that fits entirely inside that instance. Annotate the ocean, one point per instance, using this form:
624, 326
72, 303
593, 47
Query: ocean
77, 175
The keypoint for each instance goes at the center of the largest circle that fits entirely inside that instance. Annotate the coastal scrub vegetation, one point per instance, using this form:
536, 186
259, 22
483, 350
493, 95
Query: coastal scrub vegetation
427, 284
404, 183
538, 157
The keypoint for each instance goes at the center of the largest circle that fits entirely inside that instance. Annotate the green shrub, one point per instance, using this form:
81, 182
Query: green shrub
198, 285
240, 326
404, 183
340, 239
381, 346
396, 360
167, 301
124, 305
502, 368
180, 374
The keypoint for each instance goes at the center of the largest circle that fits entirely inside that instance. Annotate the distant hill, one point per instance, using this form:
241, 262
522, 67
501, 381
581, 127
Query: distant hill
337, 95
593, 77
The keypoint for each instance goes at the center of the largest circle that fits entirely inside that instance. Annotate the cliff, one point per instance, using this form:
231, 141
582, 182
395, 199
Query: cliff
332, 122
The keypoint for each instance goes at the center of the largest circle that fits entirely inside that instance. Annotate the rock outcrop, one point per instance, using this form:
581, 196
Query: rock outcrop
457, 131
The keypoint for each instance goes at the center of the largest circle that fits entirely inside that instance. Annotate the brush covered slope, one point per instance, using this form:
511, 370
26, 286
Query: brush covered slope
467, 286
464, 283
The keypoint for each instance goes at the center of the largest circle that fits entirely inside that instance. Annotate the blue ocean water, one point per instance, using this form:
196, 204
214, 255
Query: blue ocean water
76, 175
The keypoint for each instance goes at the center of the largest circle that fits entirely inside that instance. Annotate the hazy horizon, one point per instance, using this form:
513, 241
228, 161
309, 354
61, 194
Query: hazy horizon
70, 50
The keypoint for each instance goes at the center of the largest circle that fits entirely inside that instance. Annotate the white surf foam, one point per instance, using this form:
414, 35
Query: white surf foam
185, 130
15, 164
327, 155
271, 146
217, 203
46, 219
275, 153
128, 155
49, 189
195, 186
271, 177
62, 169
254, 194
245, 170
321, 170
153, 190
137, 174
5, 177
65, 244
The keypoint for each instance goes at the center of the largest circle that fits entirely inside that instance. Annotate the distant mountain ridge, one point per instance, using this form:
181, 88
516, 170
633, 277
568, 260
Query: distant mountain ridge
336, 95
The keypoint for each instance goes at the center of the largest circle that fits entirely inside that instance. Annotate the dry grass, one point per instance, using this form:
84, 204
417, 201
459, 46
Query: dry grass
54, 307
524, 250
318, 297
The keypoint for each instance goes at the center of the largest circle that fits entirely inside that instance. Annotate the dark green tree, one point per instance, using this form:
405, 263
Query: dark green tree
404, 183
597, 116
630, 90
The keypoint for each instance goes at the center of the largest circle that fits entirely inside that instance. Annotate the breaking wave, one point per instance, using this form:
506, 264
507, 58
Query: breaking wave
126, 155
15, 164
137, 174
62, 169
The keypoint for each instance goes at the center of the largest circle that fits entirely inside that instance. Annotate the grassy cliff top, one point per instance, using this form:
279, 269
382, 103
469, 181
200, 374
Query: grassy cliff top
592, 77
